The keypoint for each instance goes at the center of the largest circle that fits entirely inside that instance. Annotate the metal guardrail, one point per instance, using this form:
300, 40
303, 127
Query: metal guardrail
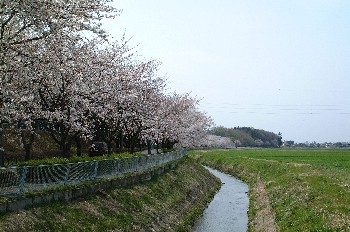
18, 180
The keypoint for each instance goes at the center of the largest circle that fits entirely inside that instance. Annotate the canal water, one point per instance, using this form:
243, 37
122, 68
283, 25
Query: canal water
228, 210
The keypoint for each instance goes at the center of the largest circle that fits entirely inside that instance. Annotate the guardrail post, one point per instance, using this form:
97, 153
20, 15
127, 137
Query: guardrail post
95, 170
130, 161
22, 180
133, 164
144, 163
67, 174
136, 169
116, 170
122, 166
147, 163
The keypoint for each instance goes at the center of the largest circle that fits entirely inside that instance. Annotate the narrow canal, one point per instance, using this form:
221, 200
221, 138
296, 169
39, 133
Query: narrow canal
228, 210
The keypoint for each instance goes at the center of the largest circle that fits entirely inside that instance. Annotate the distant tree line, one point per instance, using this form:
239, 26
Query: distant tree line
249, 136
315, 144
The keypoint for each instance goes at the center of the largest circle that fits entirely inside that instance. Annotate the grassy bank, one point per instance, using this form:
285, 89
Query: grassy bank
291, 190
170, 202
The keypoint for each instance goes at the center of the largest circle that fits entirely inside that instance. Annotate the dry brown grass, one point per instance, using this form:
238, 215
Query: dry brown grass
20, 221
264, 219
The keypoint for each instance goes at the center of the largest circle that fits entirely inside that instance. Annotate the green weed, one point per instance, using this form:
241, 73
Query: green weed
307, 190
171, 201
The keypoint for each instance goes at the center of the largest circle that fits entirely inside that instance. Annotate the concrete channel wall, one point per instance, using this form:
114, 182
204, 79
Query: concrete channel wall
71, 194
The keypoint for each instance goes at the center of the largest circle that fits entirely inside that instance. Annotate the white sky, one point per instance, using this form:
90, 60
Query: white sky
280, 66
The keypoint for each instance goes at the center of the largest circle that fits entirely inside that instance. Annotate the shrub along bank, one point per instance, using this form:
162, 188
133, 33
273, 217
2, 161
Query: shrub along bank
170, 202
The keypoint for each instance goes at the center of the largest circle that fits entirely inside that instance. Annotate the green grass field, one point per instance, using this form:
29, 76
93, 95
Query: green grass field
290, 189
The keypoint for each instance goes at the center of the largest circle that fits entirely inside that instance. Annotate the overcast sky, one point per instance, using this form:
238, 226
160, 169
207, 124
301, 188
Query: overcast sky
280, 66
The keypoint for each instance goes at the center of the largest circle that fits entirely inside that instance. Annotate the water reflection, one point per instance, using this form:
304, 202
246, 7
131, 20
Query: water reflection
228, 210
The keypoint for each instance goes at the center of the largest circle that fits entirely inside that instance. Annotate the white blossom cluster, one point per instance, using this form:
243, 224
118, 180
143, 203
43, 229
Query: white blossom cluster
214, 141
59, 67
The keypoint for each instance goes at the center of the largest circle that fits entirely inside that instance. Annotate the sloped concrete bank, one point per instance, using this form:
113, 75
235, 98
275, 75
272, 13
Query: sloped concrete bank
75, 192
168, 202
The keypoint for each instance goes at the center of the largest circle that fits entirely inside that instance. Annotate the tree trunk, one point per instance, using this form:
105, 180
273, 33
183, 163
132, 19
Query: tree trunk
140, 146
2, 150
117, 145
78, 144
27, 143
2, 160
132, 147
119, 142
109, 144
133, 143
157, 148
65, 145
149, 147
66, 149
28, 147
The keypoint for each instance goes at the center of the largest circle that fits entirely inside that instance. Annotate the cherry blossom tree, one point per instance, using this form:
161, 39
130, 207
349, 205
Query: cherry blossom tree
56, 89
26, 23
214, 141
81, 84
179, 122
113, 92
132, 103
197, 124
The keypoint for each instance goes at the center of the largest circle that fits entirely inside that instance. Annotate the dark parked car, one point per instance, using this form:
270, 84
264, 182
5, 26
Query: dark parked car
98, 148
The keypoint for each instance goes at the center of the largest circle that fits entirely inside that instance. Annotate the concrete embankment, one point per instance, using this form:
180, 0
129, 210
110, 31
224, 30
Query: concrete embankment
169, 202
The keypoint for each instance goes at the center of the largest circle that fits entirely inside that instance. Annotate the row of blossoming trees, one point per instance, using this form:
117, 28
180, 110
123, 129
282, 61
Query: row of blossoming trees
59, 69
